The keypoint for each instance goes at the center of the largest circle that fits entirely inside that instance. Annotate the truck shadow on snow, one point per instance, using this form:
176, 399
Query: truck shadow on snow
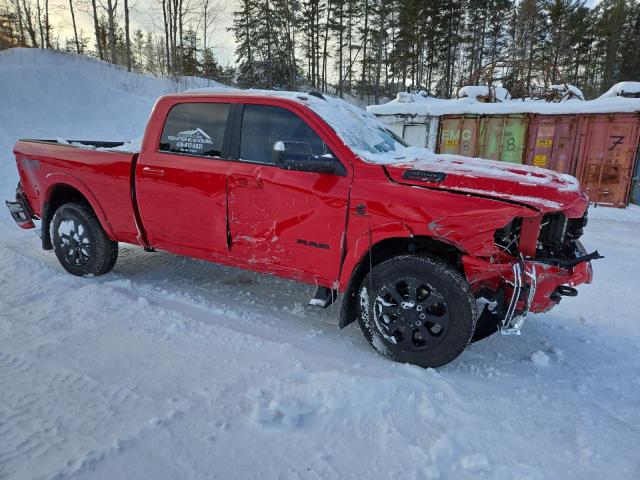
283, 303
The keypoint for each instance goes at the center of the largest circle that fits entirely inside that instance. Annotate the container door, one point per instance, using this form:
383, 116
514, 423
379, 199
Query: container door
552, 140
415, 135
491, 137
513, 135
608, 150
469, 136
542, 134
449, 140
459, 135
564, 144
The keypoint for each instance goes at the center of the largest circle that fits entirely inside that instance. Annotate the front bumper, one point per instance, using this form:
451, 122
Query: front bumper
523, 286
21, 211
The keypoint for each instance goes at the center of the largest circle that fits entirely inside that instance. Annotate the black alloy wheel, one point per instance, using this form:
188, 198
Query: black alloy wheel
411, 313
417, 309
79, 241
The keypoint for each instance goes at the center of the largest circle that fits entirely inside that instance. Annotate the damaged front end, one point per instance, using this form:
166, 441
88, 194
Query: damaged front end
537, 261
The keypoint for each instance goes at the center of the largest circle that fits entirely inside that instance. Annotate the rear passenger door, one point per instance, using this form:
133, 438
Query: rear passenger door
286, 221
181, 182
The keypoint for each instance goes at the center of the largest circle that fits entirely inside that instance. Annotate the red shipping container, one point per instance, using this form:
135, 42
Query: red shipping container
552, 142
608, 144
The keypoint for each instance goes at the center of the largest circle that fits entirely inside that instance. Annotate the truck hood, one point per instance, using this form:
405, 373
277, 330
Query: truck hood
533, 187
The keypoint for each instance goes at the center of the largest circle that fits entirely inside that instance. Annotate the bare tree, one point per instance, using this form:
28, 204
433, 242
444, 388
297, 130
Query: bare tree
173, 15
21, 33
96, 29
111, 28
211, 11
75, 27
30, 23
127, 37
47, 28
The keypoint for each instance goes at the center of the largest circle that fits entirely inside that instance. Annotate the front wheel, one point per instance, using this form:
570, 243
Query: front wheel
417, 309
80, 243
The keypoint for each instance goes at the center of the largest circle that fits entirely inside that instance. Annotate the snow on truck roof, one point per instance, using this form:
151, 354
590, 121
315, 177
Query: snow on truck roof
414, 104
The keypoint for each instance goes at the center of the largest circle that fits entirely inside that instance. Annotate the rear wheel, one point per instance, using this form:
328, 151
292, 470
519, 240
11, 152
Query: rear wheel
417, 310
80, 243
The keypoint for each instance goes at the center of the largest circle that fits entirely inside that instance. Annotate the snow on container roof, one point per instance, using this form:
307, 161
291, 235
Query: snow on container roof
475, 91
417, 105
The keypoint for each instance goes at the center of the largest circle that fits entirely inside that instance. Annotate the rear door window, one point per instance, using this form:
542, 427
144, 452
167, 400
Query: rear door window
264, 125
195, 129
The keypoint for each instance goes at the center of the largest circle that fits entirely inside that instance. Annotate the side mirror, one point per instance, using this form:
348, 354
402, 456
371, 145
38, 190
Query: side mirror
299, 156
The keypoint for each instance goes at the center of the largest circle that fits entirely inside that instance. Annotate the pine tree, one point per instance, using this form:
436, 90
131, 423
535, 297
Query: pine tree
189, 53
209, 67
629, 57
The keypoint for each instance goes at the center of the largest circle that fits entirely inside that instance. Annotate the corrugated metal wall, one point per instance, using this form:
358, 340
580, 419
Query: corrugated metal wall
608, 146
459, 135
552, 141
502, 137
601, 149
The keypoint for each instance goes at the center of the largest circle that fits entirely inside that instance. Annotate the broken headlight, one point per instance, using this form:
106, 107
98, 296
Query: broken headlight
507, 238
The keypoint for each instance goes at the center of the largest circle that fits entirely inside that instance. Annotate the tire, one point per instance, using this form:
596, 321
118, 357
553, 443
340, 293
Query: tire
80, 243
417, 309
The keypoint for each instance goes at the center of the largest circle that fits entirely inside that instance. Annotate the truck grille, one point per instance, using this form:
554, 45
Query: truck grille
555, 240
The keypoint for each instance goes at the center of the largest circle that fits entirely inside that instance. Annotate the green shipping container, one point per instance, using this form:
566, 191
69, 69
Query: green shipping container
502, 137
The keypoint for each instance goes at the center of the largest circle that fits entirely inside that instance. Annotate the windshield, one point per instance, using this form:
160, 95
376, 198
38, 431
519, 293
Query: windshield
359, 130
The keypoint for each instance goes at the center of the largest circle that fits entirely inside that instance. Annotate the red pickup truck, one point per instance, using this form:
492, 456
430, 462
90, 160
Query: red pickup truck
429, 251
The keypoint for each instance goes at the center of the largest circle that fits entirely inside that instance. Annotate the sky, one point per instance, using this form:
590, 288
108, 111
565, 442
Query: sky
146, 14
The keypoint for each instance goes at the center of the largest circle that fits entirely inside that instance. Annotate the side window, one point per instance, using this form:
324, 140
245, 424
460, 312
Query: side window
264, 125
195, 129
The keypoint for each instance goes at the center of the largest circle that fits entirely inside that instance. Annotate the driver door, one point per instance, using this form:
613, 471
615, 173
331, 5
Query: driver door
284, 221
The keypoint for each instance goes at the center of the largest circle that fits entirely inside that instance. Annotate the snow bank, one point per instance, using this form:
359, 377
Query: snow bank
49, 94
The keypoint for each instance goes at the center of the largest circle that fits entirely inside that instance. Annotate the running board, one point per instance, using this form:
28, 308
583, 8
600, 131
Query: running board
324, 297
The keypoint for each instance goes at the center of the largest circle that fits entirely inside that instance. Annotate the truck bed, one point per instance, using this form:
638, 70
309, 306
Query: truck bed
84, 144
102, 175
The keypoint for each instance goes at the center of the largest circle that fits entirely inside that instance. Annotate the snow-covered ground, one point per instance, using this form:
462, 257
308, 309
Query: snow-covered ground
171, 368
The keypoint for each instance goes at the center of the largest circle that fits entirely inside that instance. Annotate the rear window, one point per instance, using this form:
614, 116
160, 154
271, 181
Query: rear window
195, 129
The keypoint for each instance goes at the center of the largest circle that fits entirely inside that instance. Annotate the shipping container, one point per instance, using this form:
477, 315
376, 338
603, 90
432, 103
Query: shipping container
502, 137
608, 146
459, 135
552, 142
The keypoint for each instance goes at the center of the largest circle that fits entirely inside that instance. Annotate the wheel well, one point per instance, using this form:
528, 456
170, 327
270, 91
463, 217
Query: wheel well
60, 195
386, 249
